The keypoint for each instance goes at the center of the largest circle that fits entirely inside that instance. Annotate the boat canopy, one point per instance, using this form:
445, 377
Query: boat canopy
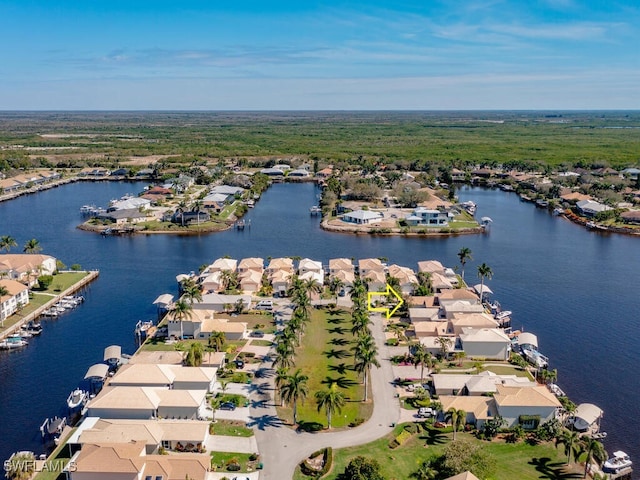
163, 300
482, 289
527, 338
112, 352
99, 370
588, 412
182, 277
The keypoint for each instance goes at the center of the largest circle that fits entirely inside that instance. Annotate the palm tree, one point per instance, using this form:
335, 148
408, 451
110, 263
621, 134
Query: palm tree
445, 344
484, 271
366, 358
312, 286
295, 388
422, 357
571, 442
229, 279
182, 206
331, 400
591, 449
32, 246
6, 242
190, 290
464, 255
181, 311
458, 419
194, 355
425, 471
281, 376
335, 285
284, 356
217, 340
360, 322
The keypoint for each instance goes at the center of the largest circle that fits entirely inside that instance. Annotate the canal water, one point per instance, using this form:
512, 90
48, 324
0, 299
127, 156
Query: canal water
576, 290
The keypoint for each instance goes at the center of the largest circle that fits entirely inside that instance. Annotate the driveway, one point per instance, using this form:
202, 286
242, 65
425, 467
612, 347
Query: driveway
232, 476
223, 443
241, 414
283, 448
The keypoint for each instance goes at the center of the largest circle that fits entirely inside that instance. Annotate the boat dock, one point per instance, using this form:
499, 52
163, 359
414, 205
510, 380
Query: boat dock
91, 276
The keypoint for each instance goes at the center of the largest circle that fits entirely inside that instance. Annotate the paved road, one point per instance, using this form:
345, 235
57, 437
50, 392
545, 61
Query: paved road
282, 448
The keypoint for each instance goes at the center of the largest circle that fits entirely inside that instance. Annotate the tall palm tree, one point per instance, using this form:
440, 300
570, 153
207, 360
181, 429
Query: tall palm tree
181, 311
7, 242
312, 286
365, 359
217, 340
191, 291
484, 271
464, 255
458, 419
32, 246
293, 389
360, 322
281, 377
194, 355
331, 400
229, 279
591, 449
284, 356
335, 285
571, 442
422, 357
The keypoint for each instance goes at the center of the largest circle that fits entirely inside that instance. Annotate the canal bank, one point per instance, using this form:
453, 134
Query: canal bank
23, 320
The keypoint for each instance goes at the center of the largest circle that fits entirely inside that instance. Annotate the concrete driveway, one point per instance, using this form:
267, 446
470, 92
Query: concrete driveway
240, 413
223, 443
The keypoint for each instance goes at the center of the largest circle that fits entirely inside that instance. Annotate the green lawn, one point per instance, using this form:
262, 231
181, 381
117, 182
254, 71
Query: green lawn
514, 461
321, 359
62, 281
231, 428
220, 460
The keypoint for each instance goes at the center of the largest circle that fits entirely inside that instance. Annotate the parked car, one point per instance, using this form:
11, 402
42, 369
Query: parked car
227, 406
264, 305
239, 363
257, 334
426, 412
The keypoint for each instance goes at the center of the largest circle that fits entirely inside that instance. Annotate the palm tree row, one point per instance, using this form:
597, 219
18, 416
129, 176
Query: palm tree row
581, 447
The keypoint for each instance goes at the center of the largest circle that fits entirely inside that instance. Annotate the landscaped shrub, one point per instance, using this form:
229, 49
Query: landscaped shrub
44, 281
327, 460
356, 421
400, 439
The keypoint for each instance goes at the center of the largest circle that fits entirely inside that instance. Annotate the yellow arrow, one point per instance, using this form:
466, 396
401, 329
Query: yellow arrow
386, 293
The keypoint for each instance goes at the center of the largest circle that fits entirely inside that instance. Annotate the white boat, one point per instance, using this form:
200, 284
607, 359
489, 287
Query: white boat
469, 206
618, 462
34, 328
12, 342
556, 390
503, 315
50, 312
315, 209
76, 398
535, 357
558, 211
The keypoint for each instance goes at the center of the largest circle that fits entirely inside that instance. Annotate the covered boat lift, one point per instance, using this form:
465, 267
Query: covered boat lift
586, 416
96, 375
112, 355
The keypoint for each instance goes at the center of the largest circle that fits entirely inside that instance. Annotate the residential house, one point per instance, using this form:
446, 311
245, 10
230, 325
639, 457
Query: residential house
276, 264
186, 218
459, 321
227, 190
251, 264
631, 173
26, 267
272, 172
123, 217
129, 461
204, 321
475, 385
279, 272
459, 307
479, 409
17, 295
180, 183
299, 173
406, 278
214, 282
376, 280
463, 476
526, 406
224, 264
251, 281
632, 216
428, 217
178, 377
366, 265
458, 175
215, 202
489, 343
282, 166
431, 267
439, 282
183, 435
449, 296
311, 270
342, 269
362, 217
136, 203
145, 403
325, 172
591, 208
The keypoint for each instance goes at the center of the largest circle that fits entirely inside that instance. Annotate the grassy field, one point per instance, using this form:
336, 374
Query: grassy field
62, 281
230, 428
325, 353
458, 137
514, 461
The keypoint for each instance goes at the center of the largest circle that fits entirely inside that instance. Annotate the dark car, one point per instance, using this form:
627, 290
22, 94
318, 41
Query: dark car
257, 334
239, 363
227, 406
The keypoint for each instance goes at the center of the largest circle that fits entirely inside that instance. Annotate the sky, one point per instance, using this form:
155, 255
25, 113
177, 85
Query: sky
315, 55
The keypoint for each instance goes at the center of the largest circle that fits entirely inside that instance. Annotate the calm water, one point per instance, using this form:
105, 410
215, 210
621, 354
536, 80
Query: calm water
575, 289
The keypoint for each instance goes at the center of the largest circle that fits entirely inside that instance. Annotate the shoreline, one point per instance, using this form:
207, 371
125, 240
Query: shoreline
396, 232
85, 227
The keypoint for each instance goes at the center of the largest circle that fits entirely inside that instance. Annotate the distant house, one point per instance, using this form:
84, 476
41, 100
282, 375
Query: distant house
121, 217
227, 190
311, 270
17, 295
272, 172
406, 278
365, 265
136, 203
205, 321
299, 173
180, 183
120, 172
362, 217
431, 266
631, 173
458, 175
178, 377
429, 217
342, 268
250, 281
248, 264
376, 280
632, 216
219, 302
186, 218
222, 264
590, 208
325, 172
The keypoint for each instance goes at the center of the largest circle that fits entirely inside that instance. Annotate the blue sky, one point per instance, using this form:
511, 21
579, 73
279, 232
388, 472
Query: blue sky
311, 55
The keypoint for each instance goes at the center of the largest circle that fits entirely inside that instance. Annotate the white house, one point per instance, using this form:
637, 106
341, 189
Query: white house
136, 203
248, 264
591, 208
203, 322
17, 295
311, 270
250, 281
526, 406
406, 277
26, 267
429, 217
362, 217
485, 343
178, 377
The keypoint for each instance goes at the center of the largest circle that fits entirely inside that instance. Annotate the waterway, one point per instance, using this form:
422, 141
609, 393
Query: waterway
575, 289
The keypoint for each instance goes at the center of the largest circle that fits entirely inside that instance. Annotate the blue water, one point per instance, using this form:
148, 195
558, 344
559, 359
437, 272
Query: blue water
577, 290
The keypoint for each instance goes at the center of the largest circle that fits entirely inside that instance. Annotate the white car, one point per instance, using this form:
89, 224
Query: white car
264, 305
426, 412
